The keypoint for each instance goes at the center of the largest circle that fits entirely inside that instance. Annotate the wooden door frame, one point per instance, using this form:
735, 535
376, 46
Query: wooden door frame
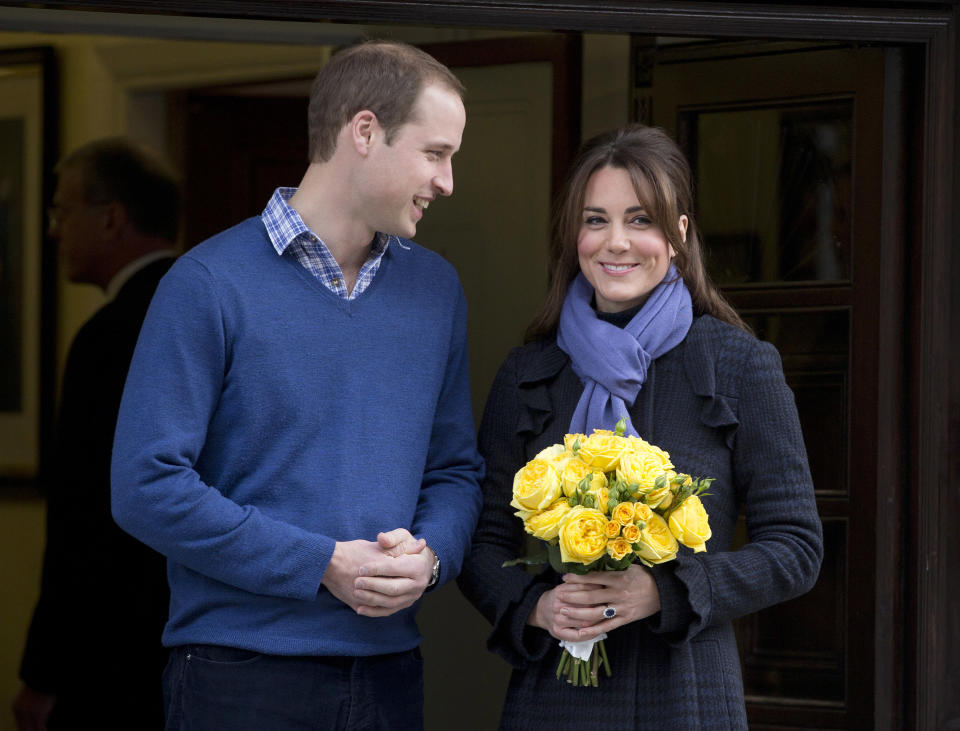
564, 54
928, 692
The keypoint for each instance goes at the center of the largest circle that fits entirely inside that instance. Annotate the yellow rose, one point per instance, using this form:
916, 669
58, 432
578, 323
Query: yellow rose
657, 544
547, 454
618, 548
574, 470
624, 513
643, 465
613, 529
602, 450
660, 497
637, 444
535, 486
583, 537
525, 515
570, 439
555, 455
601, 498
545, 525
688, 523
643, 512
631, 532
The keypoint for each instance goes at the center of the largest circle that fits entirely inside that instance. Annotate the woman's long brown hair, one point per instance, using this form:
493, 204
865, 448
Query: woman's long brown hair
662, 181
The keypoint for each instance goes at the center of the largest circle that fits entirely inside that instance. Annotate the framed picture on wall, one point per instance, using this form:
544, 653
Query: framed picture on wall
27, 261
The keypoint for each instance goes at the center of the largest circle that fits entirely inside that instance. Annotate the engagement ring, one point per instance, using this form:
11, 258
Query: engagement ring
609, 612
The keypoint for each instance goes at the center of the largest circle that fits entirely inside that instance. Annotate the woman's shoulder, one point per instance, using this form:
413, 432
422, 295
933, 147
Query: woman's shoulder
721, 340
709, 328
720, 357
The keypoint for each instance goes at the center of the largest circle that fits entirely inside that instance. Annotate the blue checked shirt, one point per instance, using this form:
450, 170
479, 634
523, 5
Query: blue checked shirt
291, 236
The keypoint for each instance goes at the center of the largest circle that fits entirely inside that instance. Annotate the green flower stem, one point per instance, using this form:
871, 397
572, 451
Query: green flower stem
562, 665
606, 662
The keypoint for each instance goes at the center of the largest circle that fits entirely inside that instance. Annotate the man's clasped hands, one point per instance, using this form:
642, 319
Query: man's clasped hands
379, 578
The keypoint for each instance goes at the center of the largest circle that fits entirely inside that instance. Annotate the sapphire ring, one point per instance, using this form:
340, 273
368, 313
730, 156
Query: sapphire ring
609, 612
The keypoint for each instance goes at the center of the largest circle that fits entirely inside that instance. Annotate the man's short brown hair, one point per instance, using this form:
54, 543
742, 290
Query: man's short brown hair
384, 77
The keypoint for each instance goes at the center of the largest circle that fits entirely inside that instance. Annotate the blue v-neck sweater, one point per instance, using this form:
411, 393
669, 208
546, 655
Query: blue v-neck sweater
264, 418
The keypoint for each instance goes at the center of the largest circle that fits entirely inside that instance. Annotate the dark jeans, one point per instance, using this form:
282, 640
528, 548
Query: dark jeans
211, 688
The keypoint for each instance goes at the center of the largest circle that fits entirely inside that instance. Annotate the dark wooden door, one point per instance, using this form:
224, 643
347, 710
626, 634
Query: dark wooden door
787, 143
237, 148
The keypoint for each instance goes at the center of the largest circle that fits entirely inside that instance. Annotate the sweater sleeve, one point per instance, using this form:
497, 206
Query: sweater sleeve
449, 499
771, 477
172, 390
505, 596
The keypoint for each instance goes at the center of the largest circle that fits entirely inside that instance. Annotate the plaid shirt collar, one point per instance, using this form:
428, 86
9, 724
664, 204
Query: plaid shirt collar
288, 232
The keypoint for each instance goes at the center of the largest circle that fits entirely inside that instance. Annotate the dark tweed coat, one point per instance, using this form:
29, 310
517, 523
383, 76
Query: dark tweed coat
95, 636
718, 403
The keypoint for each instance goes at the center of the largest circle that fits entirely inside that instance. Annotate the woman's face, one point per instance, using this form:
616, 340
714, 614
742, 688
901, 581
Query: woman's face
622, 253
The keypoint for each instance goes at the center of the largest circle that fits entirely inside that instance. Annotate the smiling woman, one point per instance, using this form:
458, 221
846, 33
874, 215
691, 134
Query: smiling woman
622, 252
652, 347
626, 214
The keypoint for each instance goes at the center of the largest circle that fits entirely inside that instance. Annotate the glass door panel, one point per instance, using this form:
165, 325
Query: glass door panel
773, 189
784, 141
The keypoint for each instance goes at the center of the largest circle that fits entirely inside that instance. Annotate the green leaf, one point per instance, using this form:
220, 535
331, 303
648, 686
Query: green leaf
621, 426
556, 563
534, 559
621, 565
570, 567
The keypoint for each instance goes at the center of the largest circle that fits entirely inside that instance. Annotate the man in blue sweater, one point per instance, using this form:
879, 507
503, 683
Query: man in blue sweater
295, 433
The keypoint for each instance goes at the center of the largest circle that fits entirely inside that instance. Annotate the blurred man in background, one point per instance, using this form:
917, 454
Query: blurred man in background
93, 655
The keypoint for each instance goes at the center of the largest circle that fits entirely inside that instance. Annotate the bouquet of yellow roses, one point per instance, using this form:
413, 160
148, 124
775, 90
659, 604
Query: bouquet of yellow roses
601, 502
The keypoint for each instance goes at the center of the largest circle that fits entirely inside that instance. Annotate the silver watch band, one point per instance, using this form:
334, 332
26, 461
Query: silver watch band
436, 572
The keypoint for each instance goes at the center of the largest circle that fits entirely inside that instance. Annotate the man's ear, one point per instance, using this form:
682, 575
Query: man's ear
364, 130
114, 218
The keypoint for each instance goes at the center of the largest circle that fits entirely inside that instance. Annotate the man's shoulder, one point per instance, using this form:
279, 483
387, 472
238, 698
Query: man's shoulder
236, 252
226, 242
408, 252
420, 270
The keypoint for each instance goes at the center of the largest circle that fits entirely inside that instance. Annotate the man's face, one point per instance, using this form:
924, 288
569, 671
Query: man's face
77, 225
406, 175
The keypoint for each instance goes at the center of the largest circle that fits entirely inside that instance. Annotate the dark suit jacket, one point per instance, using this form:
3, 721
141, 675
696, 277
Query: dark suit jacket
95, 636
719, 405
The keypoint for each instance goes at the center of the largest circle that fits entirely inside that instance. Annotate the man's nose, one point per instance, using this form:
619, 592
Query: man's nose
443, 181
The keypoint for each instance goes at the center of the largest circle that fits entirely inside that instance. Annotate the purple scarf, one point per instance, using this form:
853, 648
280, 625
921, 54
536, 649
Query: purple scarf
612, 362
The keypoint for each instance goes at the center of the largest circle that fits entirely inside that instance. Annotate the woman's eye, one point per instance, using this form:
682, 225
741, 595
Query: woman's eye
640, 221
594, 221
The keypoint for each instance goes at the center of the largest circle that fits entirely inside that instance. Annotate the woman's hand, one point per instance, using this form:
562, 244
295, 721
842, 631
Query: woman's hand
574, 610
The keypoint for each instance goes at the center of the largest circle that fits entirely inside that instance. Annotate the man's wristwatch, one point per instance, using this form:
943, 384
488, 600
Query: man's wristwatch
435, 577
